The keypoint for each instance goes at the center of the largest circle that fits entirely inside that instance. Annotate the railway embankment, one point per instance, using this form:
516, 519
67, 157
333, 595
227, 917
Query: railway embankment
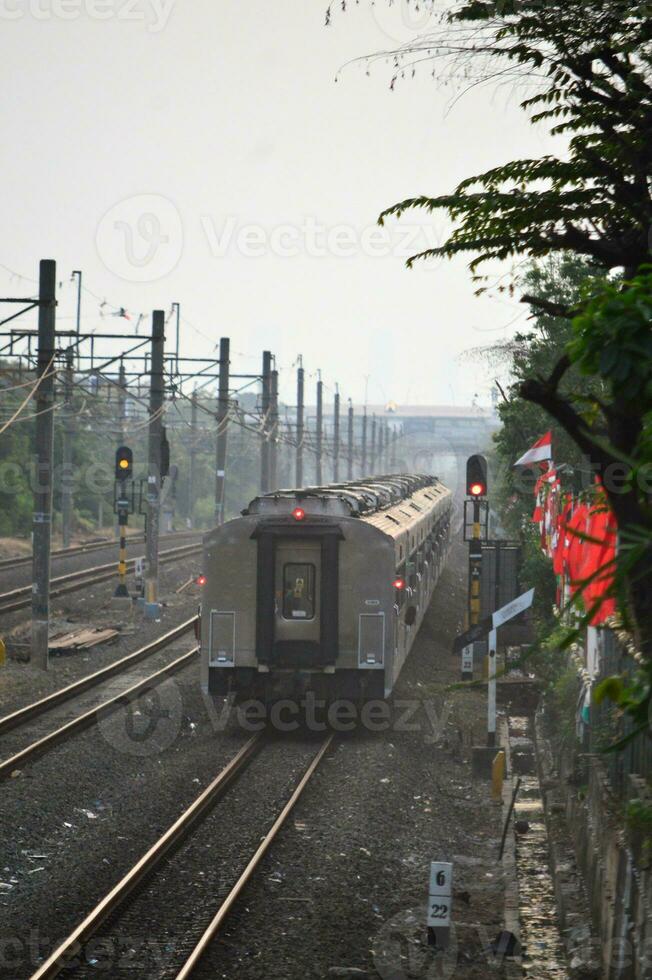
594, 852
341, 892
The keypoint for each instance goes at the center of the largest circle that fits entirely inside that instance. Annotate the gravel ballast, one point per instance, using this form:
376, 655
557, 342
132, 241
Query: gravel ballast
335, 892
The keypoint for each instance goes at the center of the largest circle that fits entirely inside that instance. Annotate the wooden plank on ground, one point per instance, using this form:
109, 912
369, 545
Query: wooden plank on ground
81, 639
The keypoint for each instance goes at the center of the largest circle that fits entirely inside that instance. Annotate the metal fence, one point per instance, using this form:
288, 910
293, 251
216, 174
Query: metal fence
609, 725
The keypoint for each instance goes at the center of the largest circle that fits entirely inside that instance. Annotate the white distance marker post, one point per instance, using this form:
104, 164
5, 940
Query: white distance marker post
467, 662
440, 900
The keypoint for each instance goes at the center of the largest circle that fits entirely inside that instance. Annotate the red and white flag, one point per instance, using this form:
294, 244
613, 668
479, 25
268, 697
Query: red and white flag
540, 452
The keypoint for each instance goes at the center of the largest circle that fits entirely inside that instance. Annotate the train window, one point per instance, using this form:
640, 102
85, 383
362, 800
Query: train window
298, 591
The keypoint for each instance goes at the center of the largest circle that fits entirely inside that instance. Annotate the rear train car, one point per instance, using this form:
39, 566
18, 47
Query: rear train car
322, 589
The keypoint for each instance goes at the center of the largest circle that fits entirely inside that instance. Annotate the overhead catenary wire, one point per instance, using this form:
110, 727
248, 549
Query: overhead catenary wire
46, 374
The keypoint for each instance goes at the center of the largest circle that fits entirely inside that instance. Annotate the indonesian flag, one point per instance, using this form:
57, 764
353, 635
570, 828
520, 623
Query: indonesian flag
540, 452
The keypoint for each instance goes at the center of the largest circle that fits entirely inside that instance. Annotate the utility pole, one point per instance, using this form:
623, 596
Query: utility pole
363, 463
122, 419
381, 446
42, 525
394, 441
67, 475
349, 447
193, 459
300, 426
320, 420
78, 274
265, 406
122, 402
273, 435
373, 444
156, 393
222, 429
336, 436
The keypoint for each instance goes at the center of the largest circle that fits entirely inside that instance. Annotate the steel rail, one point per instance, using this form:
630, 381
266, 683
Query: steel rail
74, 943
230, 899
82, 549
94, 715
22, 597
36, 708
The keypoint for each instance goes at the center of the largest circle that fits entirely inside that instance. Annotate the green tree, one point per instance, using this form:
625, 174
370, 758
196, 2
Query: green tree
590, 61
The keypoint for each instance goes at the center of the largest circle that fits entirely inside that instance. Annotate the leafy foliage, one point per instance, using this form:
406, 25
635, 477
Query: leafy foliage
592, 60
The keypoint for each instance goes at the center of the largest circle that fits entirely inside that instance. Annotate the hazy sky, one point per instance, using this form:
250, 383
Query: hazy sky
200, 151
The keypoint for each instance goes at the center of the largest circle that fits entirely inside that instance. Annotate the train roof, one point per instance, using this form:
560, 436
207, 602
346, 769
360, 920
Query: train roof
356, 498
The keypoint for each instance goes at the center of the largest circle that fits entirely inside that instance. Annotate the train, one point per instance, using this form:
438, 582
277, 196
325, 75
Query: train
321, 589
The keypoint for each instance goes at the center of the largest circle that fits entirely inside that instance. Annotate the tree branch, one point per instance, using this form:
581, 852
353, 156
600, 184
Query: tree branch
552, 309
544, 393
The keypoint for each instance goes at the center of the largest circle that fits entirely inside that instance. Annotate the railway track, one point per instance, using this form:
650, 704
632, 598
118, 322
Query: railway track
82, 549
21, 597
38, 727
158, 903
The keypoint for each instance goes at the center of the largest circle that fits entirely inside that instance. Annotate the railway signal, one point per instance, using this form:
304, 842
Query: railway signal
476, 491
124, 461
476, 476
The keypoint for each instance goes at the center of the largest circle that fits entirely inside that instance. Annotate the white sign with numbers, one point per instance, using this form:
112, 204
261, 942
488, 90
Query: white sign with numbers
467, 659
439, 912
441, 878
440, 894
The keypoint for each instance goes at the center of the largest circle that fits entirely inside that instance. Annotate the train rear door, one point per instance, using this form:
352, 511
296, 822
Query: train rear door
297, 581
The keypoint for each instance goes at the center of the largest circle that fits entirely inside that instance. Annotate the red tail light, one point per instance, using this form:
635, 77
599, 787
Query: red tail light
201, 580
399, 583
298, 513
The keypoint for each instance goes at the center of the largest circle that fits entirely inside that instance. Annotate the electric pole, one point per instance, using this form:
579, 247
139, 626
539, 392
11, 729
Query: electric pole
394, 441
273, 426
122, 417
193, 459
67, 475
373, 444
320, 420
265, 406
156, 393
363, 463
381, 447
336, 436
42, 521
349, 447
77, 273
300, 429
222, 429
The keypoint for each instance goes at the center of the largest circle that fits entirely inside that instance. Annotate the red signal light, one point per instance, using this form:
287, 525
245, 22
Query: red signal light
477, 489
399, 583
201, 580
298, 513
